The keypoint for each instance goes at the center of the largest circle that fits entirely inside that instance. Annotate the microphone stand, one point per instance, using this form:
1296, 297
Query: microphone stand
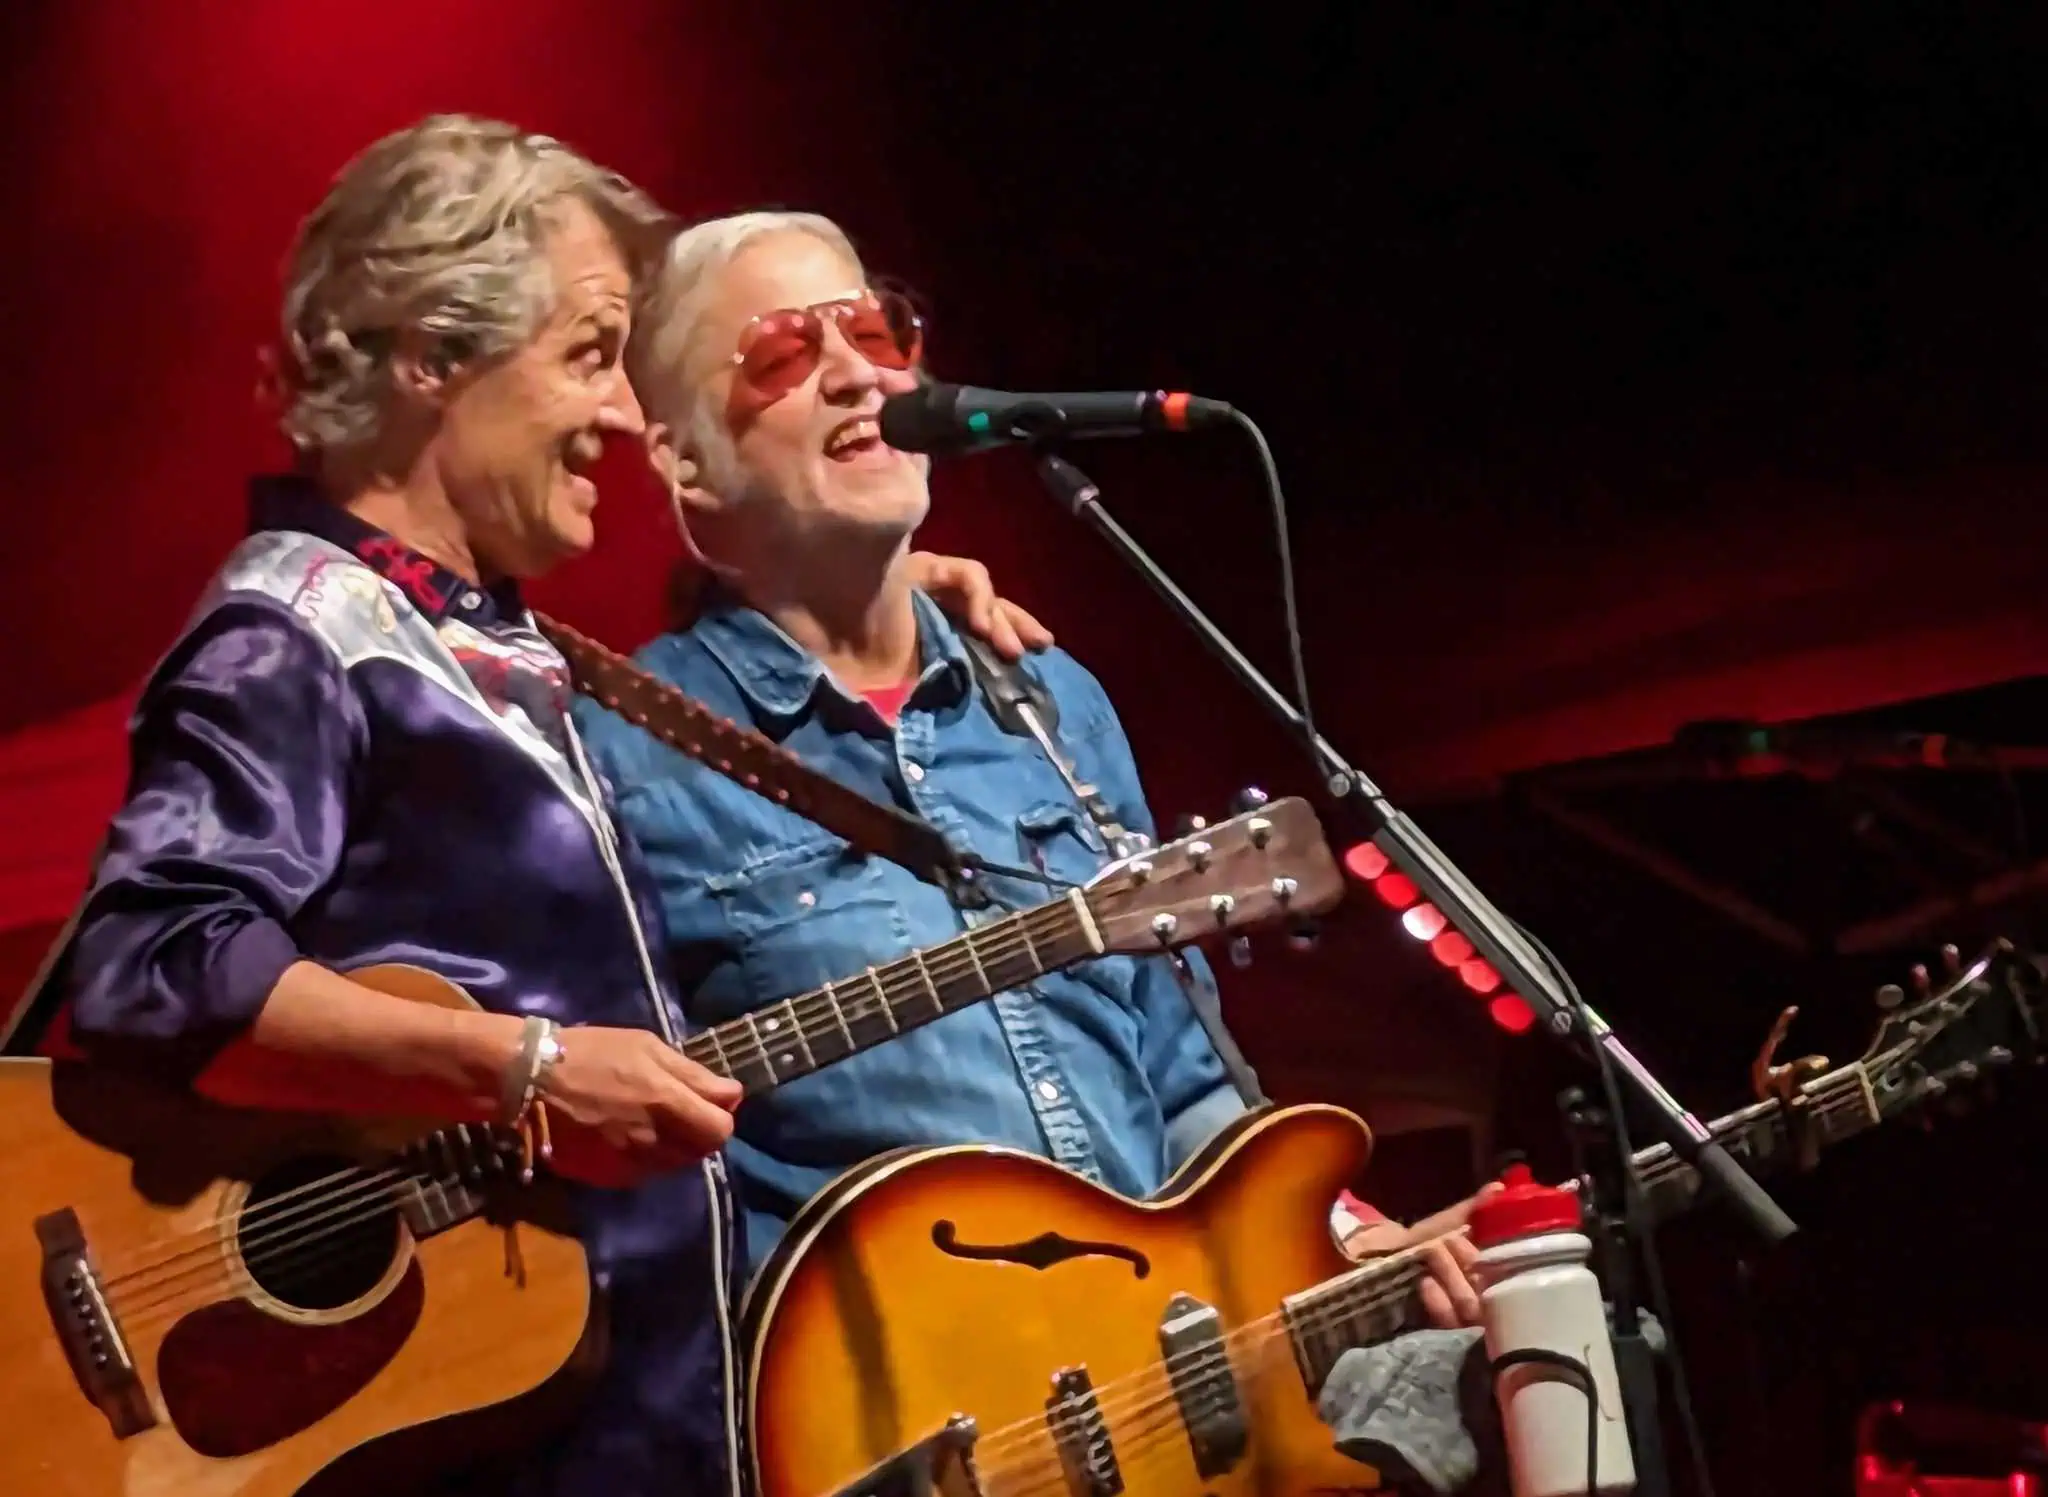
1559, 1009
1612, 1204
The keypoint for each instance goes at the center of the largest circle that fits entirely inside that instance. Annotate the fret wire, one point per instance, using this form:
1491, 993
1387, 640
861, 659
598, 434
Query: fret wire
882, 993
1339, 1293
924, 974
761, 1047
1032, 950
839, 1013
999, 937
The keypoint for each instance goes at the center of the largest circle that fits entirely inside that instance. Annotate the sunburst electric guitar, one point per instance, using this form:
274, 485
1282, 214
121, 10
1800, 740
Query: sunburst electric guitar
198, 1301
977, 1322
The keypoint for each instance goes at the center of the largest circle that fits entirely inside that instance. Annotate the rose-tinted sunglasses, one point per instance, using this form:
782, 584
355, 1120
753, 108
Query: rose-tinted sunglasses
779, 350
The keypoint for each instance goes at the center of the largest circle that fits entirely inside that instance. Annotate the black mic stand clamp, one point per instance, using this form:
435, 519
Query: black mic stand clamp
1612, 1206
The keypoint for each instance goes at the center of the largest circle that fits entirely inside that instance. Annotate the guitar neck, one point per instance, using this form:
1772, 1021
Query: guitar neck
799, 1035
1377, 1300
1764, 1136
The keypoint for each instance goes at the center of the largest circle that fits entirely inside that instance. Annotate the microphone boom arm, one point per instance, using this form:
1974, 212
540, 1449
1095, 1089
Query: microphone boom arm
1560, 1012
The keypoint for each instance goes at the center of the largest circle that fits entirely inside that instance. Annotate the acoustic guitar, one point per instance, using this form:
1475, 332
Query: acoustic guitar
200, 1301
977, 1321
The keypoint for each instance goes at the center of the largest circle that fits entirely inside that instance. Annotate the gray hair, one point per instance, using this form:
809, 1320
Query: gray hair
438, 228
667, 327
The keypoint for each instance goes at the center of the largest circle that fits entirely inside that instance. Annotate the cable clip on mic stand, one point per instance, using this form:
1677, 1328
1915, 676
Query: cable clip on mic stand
1560, 1012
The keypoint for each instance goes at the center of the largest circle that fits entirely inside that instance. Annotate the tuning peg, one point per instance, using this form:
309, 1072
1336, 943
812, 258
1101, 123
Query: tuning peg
1303, 934
1187, 826
1248, 799
1951, 961
1240, 952
1922, 983
1890, 996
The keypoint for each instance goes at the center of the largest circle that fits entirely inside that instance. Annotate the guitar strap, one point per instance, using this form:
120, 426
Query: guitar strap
1021, 705
749, 758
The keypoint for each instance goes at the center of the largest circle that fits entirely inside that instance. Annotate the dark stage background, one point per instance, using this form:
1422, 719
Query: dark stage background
1627, 367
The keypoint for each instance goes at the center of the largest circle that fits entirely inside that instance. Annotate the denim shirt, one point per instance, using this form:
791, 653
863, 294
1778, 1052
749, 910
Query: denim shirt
1102, 1068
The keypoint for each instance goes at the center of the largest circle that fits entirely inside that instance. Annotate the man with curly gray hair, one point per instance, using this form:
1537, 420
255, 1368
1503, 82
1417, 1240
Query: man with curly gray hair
358, 753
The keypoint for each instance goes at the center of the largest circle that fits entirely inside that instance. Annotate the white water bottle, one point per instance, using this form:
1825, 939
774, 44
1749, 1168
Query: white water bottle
1537, 1294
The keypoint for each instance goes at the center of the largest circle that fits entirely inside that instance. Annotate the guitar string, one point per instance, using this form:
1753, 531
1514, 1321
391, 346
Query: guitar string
1025, 1460
1314, 1323
1000, 942
750, 1046
253, 1259
1335, 1305
816, 1016
372, 1185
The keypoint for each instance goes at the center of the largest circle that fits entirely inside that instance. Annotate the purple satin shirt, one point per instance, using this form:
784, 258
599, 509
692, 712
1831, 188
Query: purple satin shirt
355, 757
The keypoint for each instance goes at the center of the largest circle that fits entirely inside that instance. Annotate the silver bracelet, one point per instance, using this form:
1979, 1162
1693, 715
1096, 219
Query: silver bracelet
540, 1050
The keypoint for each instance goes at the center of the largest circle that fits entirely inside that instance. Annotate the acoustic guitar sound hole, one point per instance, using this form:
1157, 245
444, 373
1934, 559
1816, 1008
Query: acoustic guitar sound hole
318, 1233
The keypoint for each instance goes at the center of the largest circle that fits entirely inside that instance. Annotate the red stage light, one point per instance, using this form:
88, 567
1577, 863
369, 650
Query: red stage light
1451, 948
1365, 862
1478, 975
1511, 1013
1425, 922
1396, 889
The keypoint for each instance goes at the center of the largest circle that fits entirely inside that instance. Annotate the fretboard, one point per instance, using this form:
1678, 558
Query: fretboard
1377, 1300
798, 1035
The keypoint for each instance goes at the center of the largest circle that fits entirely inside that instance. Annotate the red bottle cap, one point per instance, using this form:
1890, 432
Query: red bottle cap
1522, 1208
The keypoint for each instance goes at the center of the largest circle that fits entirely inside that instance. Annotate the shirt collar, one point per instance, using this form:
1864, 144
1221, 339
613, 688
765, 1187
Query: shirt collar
294, 502
778, 675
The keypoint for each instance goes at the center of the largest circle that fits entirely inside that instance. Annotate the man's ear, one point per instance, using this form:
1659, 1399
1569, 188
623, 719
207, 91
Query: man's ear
680, 471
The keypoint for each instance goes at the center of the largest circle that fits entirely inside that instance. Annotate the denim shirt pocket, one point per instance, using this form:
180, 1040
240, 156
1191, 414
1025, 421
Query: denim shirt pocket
848, 918
1059, 840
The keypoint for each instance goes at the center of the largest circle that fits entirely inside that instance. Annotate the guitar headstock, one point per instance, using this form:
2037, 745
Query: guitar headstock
1262, 865
1952, 1035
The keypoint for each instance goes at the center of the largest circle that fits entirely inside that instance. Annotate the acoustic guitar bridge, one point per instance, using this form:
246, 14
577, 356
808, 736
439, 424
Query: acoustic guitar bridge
86, 1327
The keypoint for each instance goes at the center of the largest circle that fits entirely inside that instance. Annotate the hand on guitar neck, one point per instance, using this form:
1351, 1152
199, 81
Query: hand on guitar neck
1450, 1297
622, 1105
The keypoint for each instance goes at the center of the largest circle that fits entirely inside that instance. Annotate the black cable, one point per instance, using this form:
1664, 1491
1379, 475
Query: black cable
1653, 1266
1290, 612
1536, 1356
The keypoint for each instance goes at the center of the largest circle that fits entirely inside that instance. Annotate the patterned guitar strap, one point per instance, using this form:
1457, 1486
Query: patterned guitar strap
1022, 706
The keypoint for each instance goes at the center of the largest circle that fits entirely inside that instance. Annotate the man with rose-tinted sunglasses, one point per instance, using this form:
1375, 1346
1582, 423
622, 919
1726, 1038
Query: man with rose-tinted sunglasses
763, 355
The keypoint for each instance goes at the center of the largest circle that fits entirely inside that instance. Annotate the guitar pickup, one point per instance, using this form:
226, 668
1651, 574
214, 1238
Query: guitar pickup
1192, 1347
1081, 1435
86, 1326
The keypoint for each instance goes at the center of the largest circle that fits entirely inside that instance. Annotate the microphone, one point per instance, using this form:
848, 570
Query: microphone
940, 418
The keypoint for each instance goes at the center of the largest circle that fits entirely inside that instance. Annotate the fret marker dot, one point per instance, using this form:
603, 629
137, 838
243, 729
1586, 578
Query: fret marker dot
1048, 1091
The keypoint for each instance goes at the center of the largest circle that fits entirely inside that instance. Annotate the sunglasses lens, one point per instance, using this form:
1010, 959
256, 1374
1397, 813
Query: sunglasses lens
885, 330
781, 351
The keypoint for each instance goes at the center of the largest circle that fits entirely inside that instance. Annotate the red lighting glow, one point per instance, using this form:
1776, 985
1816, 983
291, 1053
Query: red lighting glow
1396, 889
1428, 924
1511, 1013
1365, 862
1478, 975
1451, 948
1425, 922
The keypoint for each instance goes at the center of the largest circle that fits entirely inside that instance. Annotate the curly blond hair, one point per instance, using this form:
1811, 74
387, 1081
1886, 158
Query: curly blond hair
437, 228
